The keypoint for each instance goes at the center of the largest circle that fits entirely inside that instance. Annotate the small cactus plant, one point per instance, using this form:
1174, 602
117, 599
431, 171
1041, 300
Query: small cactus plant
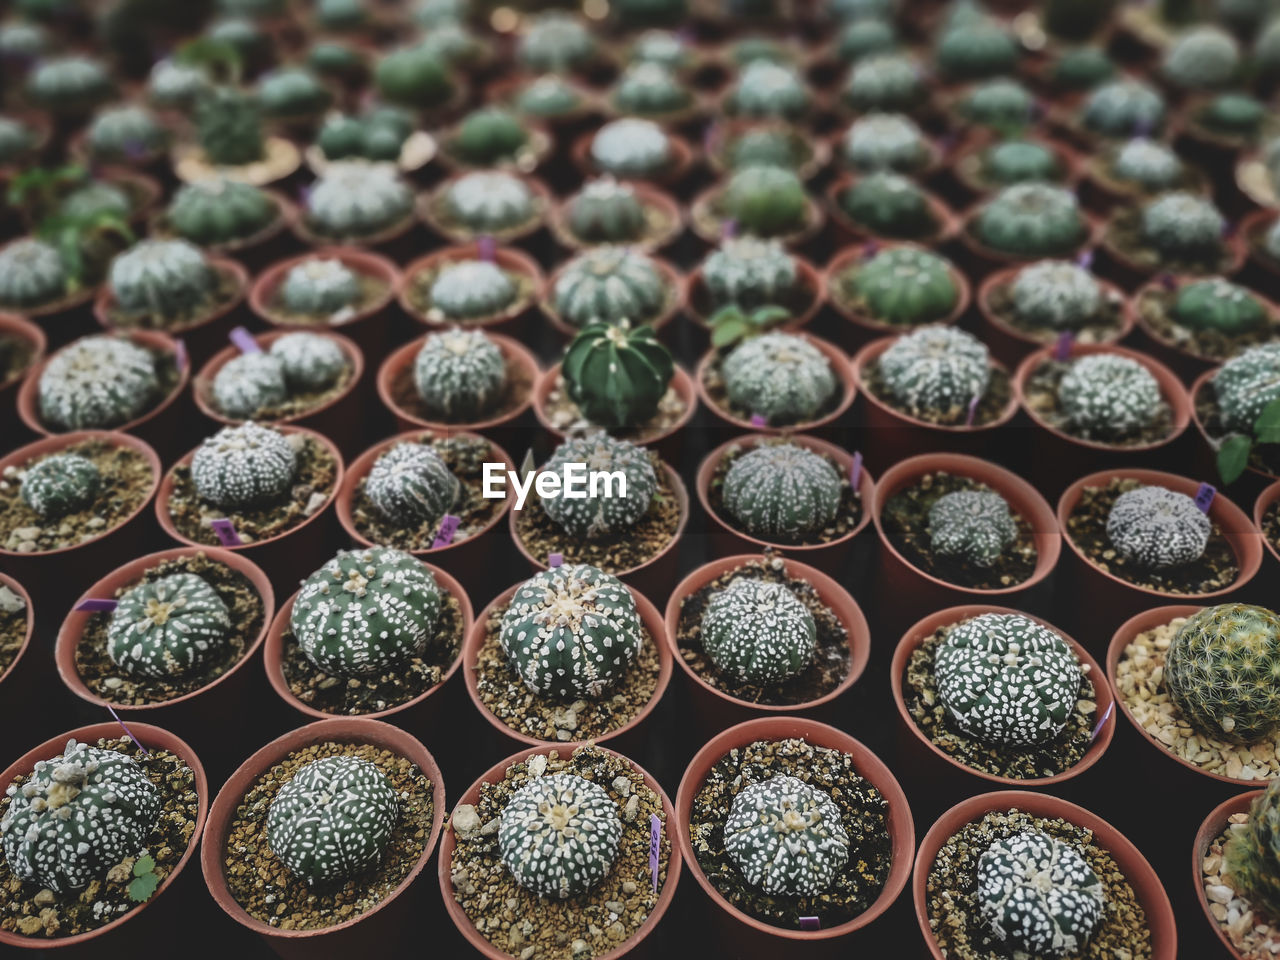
69, 84
1124, 108
786, 837
378, 134
571, 631
355, 199
782, 492
1251, 857
886, 82
758, 631
1019, 161
489, 202
750, 272
319, 287
17, 141
175, 84
861, 39
97, 383
1157, 529
649, 90
936, 372
1233, 114
766, 145
45, 830
605, 514
1000, 103
769, 90
548, 97
976, 48
632, 147
1107, 396
558, 835
610, 284
164, 280
1183, 226
366, 612
889, 205
411, 485
908, 286
244, 466
292, 92
617, 376
1031, 220
247, 384
1056, 295
1202, 58
765, 201
1081, 68
606, 211
886, 141
333, 819
973, 527
169, 627
469, 290
781, 377
60, 484
489, 136
459, 374
125, 133
309, 361
1247, 385
216, 212
229, 128
1219, 305
556, 41
32, 274
414, 77
1151, 165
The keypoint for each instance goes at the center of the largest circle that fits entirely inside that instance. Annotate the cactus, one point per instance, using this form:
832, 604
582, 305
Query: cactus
548, 97
767, 90
77, 816
1081, 68
981, 47
750, 272
936, 371
786, 837
414, 77
341, 15
889, 205
216, 212
571, 631
247, 39
356, 199
411, 485
487, 202
166, 280
758, 632
1032, 220
907, 285
247, 384
319, 287
336, 60
1220, 670
292, 92
438, 13
457, 46
97, 383
865, 38
662, 47
650, 89
1234, 114
765, 201
766, 146
556, 41
169, 627
1202, 58
333, 819
779, 376
472, 290
489, 136
229, 128
173, 83
59, 485
244, 466
885, 141
609, 285
1124, 108
607, 513
1019, 161
558, 835
1157, 529
32, 274
782, 492
17, 141
366, 612
1251, 857
1148, 163
1108, 396
606, 211
617, 376
1246, 385
1266, 50
1056, 294
125, 133
1184, 226
886, 82
1000, 103
1039, 895
973, 527
376, 135
20, 40
95, 200
69, 84
459, 374
631, 147
309, 361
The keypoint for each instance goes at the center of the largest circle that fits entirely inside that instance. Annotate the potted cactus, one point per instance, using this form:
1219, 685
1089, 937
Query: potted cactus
230, 142
974, 47
486, 203
1196, 323
733, 144
1136, 170
896, 286
227, 217
768, 90
556, 41
988, 162
418, 79
22, 139
35, 281
654, 91
494, 138
1177, 233
608, 211
69, 87
293, 97
124, 134
22, 347
761, 201
561, 103
472, 285
356, 202
1262, 240
883, 205
1266, 517
886, 142
1234, 406
1115, 111
749, 273
1239, 886
612, 284
889, 82
633, 148
383, 134
17, 624
1024, 222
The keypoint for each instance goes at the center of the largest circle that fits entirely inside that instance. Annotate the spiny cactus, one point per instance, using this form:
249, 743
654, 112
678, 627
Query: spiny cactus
229, 127
163, 279
69, 83
632, 147
650, 89
758, 631
1202, 58
173, 83
571, 631
77, 816
603, 513
889, 205
472, 290
971, 526
782, 492
885, 141
766, 145
661, 46
366, 612
767, 90
886, 82
1081, 68
606, 211
907, 285
319, 287
556, 41
779, 376
1156, 528
216, 211
1056, 294
750, 272
378, 134
1246, 385
488, 136
786, 837
977, 48
1234, 114
60, 484
97, 383
1124, 108
1219, 305
548, 97
414, 77
558, 835
488, 202
937, 372
169, 627
32, 274
459, 374
247, 384
125, 133
1108, 396
244, 466
292, 92
1019, 161
865, 38
617, 376
1031, 220
17, 140
612, 285
1039, 895
765, 201
1251, 857
356, 198
333, 819
1000, 103
309, 361
1183, 225
1151, 165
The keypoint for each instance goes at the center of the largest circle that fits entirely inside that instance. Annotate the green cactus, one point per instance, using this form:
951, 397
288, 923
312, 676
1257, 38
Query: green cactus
604, 513
357, 199
1234, 114
861, 39
173, 83
459, 374
164, 280
217, 212
21, 40
999, 103
548, 97
32, 274
975, 49
125, 133
468, 290
229, 128
378, 134
1157, 529
973, 527
169, 627
244, 466
886, 82
631, 147
1124, 108
490, 201
782, 492
765, 201
336, 60
459, 47
617, 376
936, 372
60, 484
781, 377
885, 141
242, 37
1184, 226
414, 77
606, 211
750, 272
410, 485
1081, 68
293, 92
1251, 857
310, 361
1020, 161
1106, 396
17, 140
1246, 385
1056, 294
332, 820
438, 13
1266, 50
97, 383
907, 285
650, 89
246, 384
1151, 165
94, 200
1202, 58
888, 205
556, 41
610, 285
489, 136
1031, 220
69, 84
768, 90
758, 632
319, 287
662, 47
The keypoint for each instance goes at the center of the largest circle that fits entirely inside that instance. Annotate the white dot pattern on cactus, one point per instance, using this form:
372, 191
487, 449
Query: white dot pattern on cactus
758, 631
780, 376
97, 383
782, 492
489, 200
600, 516
631, 147
410, 484
974, 526
1157, 528
168, 627
244, 465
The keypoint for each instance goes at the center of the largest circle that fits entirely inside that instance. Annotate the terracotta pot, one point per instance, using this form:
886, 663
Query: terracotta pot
712, 226
1253, 229
1009, 344
391, 923
898, 578
984, 259
1119, 266
256, 250
537, 149
650, 197
681, 152
156, 919
289, 555
512, 321
19, 695
467, 928
811, 287
205, 335
725, 130
1254, 478
743, 935
160, 426
1135, 868
1265, 499
966, 158
1214, 825
893, 435
14, 327
718, 709
427, 204
851, 231
674, 281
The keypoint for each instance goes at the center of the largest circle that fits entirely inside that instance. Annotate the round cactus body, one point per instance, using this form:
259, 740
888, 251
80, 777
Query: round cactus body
1217, 304
971, 526
1082, 68
936, 371
244, 466
609, 284
1148, 163
125, 133
617, 376
459, 374
786, 837
865, 38
96, 199
1202, 58
891, 82
650, 89
229, 127
1180, 224
1032, 220
410, 484
750, 272
1234, 114
885, 141
782, 492
488, 202
779, 376
69, 83
1246, 385
248, 383
17, 140
765, 146
1019, 161
1056, 294
572, 631
219, 211
60, 484
32, 274
604, 512
472, 290
982, 47
631, 147
413, 77
309, 361
488, 136
1158, 529
320, 287
97, 383
175, 84
907, 285
1251, 858
766, 201
548, 97
169, 627
166, 279
758, 631
558, 835
356, 198
1109, 396
889, 205
606, 211
1124, 108
766, 89
1000, 103
556, 41
663, 47
292, 92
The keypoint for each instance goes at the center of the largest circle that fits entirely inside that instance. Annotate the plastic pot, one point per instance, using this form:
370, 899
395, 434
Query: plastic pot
741, 935
672, 279
682, 159
650, 197
512, 321
852, 232
812, 289
1214, 825
157, 924
393, 923
1132, 864
13, 327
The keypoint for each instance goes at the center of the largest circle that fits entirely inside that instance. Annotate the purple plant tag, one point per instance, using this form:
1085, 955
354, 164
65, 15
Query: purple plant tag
973, 412
655, 846
1102, 720
244, 341
226, 531
448, 527
554, 560
855, 472
870, 249
180, 353
96, 605
810, 923
125, 728
729, 228
1062, 346
1167, 281
1205, 495
758, 420
1085, 260
486, 248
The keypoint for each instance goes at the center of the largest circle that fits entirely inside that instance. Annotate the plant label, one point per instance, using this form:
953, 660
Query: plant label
655, 846
1062, 346
554, 560
810, 923
1102, 720
244, 341
448, 527
758, 420
1204, 496
973, 412
127, 731
93, 605
180, 353
226, 531
855, 472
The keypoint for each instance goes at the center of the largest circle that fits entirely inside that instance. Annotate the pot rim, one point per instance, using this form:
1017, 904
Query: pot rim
1212, 825
1197, 386
18, 326
852, 252
1266, 498
649, 195
21, 591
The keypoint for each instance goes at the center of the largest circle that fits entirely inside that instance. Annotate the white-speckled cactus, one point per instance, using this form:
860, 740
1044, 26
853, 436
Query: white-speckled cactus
488, 201
459, 374
779, 376
1056, 294
472, 290
1180, 224
782, 492
217, 211
163, 279
886, 82
310, 361
292, 92
1152, 165
97, 383
650, 89
750, 271
169, 627
1124, 108
548, 97
244, 466
1030, 220
356, 199
1107, 396
17, 140
410, 485
32, 274
1202, 58
69, 84
605, 211
1157, 528
125, 133
320, 287
555, 41
246, 384
606, 511
172, 83
973, 527
769, 90
1246, 385
609, 284
60, 484
885, 141
631, 147
936, 371
95, 199
758, 631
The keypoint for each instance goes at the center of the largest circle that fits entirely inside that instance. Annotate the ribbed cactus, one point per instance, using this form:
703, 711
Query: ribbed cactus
488, 202
172, 626
1019, 161
1056, 294
1039, 895
1081, 68
125, 133
786, 837
885, 141
309, 361
769, 90
548, 97
766, 145
17, 140
1031, 220
229, 127
631, 147
166, 280
604, 513
1107, 396
1183, 225
1124, 108
411, 485
779, 376
1202, 58
77, 816
319, 287
1251, 857
973, 527
976, 48
472, 290
936, 372
244, 466
606, 211
571, 631
414, 77
1246, 385
765, 201
173, 83
488, 136
558, 835
1233, 114
617, 375
1218, 305
97, 383
60, 484
69, 84
216, 211
333, 819
865, 38
1157, 529
366, 612
93, 200
887, 82
609, 284
459, 47
750, 272
355, 199
459, 374
292, 92
32, 274
758, 631
907, 285
1000, 103
663, 47
1222, 670
377, 134
247, 384
888, 205
556, 41
650, 89
782, 492
1153, 166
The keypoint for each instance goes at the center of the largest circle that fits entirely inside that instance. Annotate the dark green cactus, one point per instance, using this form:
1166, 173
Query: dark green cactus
617, 376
